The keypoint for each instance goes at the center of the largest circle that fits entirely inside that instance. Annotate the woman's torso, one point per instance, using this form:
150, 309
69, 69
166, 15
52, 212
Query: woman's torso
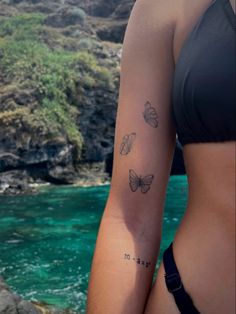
204, 244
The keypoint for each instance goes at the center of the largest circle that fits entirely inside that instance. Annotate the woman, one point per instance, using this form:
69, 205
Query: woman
177, 76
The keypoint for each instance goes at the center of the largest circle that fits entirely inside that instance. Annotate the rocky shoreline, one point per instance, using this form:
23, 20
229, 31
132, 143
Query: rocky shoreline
17, 182
54, 129
11, 303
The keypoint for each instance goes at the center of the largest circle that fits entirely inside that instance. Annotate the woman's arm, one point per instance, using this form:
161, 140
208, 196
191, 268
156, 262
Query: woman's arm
130, 231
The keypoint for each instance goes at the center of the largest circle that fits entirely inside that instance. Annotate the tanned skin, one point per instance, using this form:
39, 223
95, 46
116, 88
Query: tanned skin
130, 231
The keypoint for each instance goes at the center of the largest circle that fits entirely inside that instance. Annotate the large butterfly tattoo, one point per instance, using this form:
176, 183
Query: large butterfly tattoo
150, 115
127, 143
136, 181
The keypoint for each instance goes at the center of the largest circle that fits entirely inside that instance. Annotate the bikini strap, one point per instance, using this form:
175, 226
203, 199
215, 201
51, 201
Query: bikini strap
175, 285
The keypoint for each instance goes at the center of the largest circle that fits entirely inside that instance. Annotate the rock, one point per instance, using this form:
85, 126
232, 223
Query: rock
17, 189
3, 285
32, 150
11, 303
97, 124
113, 32
25, 145
61, 175
7, 10
8, 160
11, 98
25, 307
99, 8
123, 10
16, 182
16, 297
7, 303
92, 174
66, 16
47, 309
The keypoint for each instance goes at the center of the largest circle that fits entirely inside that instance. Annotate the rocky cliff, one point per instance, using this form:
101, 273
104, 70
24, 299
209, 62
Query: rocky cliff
59, 79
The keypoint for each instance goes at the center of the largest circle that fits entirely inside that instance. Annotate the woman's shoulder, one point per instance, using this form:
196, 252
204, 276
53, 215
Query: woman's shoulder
153, 19
167, 23
158, 12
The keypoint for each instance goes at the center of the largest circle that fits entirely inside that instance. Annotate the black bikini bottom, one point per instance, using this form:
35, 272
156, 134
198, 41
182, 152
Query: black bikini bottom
175, 285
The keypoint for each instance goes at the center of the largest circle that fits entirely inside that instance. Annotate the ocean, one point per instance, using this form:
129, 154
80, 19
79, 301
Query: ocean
47, 239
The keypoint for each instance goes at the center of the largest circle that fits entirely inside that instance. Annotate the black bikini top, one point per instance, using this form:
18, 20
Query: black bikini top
204, 86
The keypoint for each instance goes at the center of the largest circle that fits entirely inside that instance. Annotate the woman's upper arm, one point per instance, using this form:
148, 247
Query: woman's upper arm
145, 133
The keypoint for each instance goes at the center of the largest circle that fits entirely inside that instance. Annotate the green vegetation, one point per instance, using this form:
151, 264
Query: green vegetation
21, 27
53, 74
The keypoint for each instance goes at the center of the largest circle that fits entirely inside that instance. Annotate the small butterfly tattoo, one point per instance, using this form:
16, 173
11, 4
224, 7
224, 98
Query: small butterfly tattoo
136, 181
127, 143
150, 115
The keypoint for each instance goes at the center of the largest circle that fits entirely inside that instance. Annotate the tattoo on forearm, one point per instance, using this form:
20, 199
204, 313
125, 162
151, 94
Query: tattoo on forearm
138, 260
127, 142
150, 115
136, 181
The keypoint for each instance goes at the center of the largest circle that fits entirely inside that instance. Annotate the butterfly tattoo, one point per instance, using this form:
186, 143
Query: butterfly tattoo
150, 115
127, 143
136, 181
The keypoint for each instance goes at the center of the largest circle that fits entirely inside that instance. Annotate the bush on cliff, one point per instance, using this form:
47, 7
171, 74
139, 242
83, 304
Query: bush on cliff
53, 74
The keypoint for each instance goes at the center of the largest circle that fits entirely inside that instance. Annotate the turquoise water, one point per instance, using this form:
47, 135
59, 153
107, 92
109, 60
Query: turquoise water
47, 240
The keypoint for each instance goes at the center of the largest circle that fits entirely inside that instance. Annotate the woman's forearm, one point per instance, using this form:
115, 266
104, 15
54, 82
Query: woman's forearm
123, 266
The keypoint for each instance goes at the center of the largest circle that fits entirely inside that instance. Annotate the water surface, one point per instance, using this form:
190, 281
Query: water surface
47, 240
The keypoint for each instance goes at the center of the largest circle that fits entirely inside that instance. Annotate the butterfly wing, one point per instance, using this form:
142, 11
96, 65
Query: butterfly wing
150, 115
126, 143
133, 180
131, 139
146, 183
123, 146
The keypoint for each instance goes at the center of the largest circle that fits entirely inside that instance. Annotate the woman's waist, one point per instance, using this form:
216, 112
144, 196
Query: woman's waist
204, 250
211, 167
209, 223
218, 198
